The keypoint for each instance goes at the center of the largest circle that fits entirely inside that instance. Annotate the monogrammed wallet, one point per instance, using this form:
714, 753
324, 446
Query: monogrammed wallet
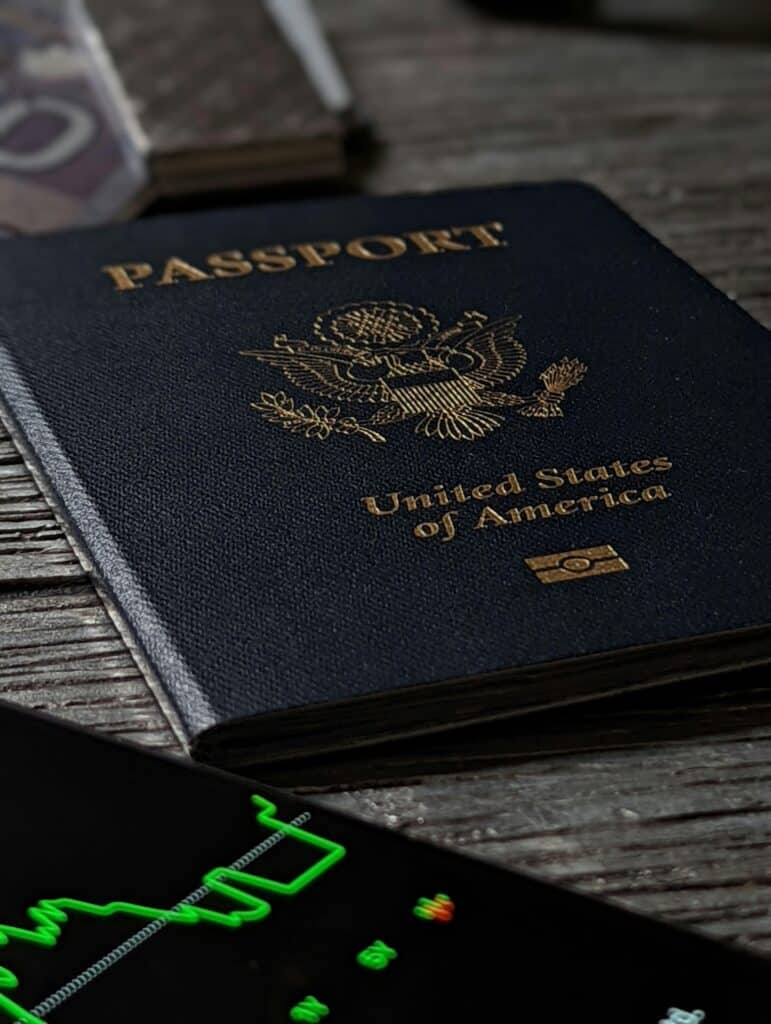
362, 468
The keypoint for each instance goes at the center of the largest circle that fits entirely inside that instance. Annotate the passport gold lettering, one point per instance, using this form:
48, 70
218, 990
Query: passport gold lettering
177, 269
447, 523
553, 477
128, 275
483, 233
441, 495
317, 254
431, 242
588, 503
229, 264
273, 258
377, 247
445, 526
411, 503
270, 259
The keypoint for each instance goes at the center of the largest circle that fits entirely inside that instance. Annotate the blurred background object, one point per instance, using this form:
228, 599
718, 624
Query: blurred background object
556, 10
741, 16
105, 107
745, 17
69, 150
220, 95
304, 33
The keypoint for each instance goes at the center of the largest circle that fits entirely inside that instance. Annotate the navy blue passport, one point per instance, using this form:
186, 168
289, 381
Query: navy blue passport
362, 468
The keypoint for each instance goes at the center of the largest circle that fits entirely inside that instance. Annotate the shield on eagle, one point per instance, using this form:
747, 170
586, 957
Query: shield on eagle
397, 357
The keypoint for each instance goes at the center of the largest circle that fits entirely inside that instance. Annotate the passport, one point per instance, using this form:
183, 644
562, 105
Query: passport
372, 467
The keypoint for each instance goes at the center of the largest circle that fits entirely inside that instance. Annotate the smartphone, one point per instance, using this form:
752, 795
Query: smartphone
141, 889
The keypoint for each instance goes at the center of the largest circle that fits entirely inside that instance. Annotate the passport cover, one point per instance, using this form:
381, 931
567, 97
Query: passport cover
361, 468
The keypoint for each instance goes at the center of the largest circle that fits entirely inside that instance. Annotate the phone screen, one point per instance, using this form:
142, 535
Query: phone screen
137, 889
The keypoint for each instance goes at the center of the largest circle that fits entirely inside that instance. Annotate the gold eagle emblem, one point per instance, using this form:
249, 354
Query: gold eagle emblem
397, 357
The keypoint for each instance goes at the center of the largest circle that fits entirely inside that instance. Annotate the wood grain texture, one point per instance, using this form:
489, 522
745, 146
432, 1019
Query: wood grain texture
661, 802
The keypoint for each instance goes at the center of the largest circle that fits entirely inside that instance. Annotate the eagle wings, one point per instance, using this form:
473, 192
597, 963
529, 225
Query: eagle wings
498, 357
448, 380
320, 373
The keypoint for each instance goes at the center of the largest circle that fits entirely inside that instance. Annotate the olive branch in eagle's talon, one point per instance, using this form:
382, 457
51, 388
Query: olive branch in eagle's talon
320, 422
557, 379
397, 358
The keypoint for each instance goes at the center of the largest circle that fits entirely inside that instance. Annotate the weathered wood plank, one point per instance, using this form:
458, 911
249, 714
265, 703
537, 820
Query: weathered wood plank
682, 830
661, 802
60, 652
33, 547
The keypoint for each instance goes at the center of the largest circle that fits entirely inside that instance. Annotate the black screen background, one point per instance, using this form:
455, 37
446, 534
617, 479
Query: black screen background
86, 818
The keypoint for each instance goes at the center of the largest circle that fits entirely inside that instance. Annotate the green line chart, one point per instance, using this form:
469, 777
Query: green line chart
49, 916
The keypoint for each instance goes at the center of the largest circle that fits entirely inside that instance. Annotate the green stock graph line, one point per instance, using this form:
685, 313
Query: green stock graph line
48, 916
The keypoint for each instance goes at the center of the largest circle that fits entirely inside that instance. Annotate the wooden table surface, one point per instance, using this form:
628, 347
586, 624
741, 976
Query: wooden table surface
660, 801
